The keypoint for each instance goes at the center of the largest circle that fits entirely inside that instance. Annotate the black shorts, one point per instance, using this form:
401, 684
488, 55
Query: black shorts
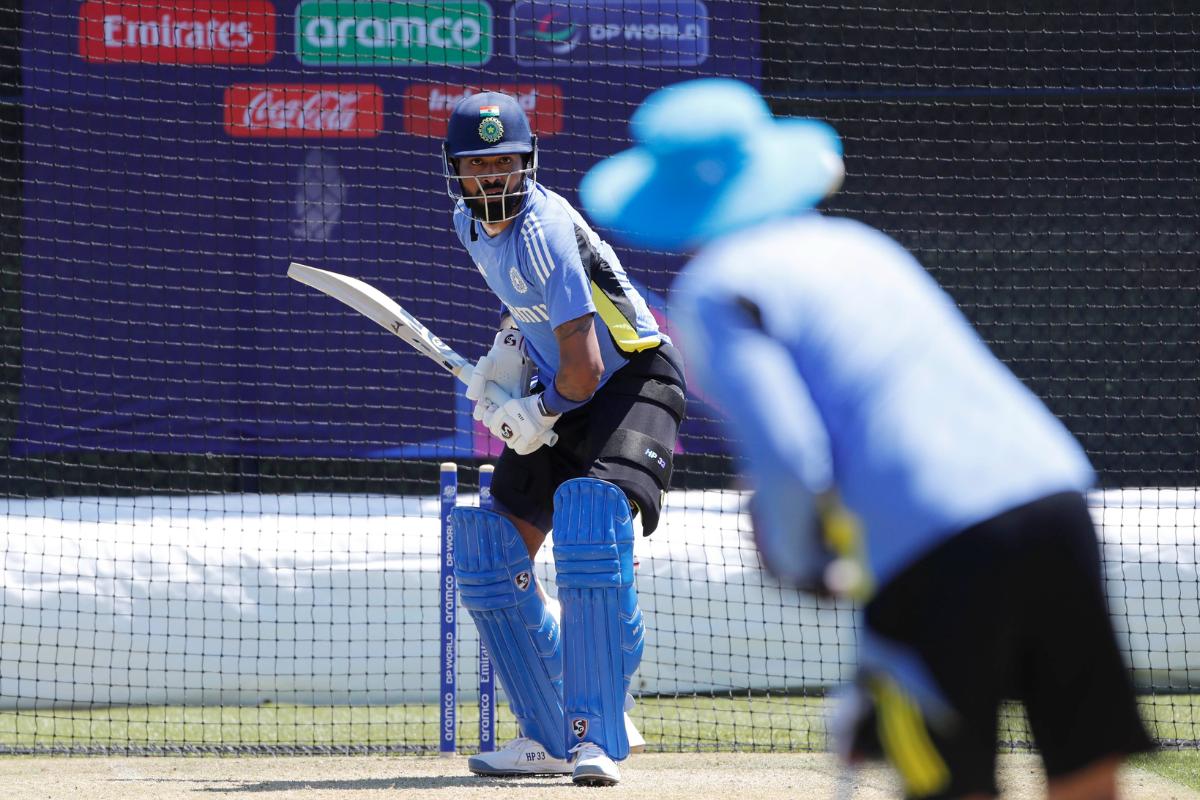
1014, 608
625, 435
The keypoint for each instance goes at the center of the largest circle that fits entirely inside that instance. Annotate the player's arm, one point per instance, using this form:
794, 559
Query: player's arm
778, 429
554, 250
580, 364
551, 257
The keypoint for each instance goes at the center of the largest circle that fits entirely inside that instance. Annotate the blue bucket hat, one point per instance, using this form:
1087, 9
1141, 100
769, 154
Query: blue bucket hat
710, 159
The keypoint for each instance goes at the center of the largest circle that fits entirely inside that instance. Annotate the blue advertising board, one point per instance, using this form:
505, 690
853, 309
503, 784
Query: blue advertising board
584, 35
180, 153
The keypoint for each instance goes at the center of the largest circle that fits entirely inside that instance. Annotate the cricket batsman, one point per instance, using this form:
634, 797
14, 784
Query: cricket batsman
596, 396
894, 458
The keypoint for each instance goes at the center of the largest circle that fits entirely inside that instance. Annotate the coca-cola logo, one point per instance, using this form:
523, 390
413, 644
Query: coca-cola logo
303, 110
427, 106
179, 32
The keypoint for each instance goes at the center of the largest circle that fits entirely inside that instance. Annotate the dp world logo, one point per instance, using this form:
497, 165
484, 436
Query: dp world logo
640, 33
556, 35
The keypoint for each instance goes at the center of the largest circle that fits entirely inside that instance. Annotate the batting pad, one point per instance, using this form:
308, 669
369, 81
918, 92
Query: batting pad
603, 633
496, 583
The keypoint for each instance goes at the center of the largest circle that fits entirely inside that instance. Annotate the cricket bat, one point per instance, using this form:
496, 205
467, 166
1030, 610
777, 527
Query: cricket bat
377, 306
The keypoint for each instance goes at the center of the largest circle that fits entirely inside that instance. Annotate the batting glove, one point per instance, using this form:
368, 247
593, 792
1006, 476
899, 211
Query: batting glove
521, 423
507, 365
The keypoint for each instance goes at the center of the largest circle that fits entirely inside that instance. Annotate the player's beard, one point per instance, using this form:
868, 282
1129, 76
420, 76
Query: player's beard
495, 209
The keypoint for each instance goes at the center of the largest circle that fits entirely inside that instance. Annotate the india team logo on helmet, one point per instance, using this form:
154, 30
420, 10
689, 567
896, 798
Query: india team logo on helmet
522, 580
491, 127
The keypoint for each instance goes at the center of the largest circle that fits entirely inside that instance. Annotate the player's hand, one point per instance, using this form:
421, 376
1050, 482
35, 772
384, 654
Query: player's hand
477, 386
521, 423
787, 533
807, 540
507, 365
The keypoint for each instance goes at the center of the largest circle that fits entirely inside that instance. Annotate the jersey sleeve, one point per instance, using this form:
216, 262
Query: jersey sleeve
779, 435
754, 379
551, 254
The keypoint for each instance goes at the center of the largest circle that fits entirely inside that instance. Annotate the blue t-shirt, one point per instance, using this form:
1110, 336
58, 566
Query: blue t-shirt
548, 267
841, 363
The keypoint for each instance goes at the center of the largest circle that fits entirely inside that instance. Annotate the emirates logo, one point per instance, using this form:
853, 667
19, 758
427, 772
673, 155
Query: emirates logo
240, 32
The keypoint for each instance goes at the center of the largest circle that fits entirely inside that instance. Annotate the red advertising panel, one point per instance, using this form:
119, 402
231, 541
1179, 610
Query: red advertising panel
302, 110
180, 32
427, 106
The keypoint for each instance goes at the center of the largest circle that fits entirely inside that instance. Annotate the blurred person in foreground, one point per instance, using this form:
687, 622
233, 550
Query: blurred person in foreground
895, 459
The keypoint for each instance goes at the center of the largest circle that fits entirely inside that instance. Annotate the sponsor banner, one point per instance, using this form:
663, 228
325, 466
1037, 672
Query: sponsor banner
179, 32
299, 110
350, 33
427, 106
612, 32
306, 190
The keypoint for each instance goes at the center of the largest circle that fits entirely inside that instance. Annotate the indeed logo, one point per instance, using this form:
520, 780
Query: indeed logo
349, 33
427, 106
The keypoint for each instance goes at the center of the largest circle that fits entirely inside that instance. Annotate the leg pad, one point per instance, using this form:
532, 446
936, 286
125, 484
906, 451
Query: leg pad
495, 580
603, 631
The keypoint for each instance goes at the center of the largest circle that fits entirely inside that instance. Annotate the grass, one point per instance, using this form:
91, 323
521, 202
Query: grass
780, 723
784, 723
1181, 766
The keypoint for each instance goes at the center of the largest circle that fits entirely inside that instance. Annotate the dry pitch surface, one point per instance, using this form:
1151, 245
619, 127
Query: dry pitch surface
653, 777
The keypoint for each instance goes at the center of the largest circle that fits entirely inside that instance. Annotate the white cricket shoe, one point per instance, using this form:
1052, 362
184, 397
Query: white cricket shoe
593, 767
521, 756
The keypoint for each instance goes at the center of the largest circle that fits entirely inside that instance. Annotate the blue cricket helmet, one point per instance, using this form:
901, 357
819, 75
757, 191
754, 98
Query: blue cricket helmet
488, 124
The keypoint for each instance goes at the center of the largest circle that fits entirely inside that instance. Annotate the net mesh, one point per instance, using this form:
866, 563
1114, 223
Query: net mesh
220, 514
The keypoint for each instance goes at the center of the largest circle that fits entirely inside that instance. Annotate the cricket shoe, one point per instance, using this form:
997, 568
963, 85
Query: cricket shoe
593, 767
521, 756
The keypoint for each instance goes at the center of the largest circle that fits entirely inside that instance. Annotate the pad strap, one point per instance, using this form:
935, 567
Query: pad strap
496, 582
642, 451
667, 395
603, 630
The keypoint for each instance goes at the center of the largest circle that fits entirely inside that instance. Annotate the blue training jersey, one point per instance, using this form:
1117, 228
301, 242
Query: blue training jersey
549, 267
840, 363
